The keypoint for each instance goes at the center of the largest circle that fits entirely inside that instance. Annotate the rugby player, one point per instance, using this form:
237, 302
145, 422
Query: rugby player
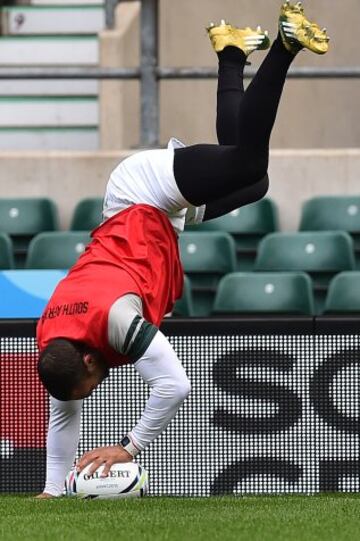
106, 312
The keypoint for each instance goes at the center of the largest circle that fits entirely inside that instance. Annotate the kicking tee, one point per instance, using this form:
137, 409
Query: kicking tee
136, 251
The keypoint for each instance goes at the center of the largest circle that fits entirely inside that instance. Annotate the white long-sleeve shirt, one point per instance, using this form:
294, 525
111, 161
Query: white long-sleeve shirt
161, 369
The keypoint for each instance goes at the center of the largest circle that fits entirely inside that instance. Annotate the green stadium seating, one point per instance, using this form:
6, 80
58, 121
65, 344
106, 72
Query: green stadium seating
320, 254
58, 250
206, 258
344, 294
270, 293
184, 306
333, 213
23, 218
6, 252
87, 214
247, 225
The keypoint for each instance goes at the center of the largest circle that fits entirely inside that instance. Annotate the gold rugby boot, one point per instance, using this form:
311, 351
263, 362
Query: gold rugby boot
246, 39
299, 33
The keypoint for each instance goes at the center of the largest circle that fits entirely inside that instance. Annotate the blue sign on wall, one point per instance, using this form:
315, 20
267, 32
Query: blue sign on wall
25, 293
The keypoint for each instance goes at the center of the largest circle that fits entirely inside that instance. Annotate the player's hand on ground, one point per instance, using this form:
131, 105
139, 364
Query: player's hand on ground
44, 496
103, 455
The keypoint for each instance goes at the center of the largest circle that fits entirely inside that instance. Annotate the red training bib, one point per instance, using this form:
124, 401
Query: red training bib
135, 251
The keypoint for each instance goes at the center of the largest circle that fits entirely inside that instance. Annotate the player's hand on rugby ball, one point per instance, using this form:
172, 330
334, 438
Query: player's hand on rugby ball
103, 455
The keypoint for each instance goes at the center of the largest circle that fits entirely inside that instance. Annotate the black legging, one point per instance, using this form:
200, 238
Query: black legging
234, 173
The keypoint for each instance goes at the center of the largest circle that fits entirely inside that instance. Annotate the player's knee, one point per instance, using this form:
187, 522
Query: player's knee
257, 162
258, 169
263, 187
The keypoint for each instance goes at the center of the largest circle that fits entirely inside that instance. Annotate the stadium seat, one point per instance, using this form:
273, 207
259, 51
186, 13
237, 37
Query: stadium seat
58, 250
206, 258
184, 306
247, 226
24, 218
320, 254
270, 293
333, 213
6, 252
87, 214
344, 294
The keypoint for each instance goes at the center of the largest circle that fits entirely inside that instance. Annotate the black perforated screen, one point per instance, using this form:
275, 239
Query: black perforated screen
269, 412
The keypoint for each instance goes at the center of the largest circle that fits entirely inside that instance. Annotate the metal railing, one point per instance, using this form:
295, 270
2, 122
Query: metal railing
150, 73
110, 6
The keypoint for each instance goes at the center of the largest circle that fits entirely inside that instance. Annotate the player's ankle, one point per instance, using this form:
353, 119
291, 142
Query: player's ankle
232, 55
278, 44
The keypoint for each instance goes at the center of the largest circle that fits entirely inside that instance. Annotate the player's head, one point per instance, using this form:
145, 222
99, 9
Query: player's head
70, 370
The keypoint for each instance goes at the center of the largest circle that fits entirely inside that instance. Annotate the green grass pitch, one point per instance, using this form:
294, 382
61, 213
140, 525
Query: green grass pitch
255, 518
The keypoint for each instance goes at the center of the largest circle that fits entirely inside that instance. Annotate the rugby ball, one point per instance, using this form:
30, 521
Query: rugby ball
128, 480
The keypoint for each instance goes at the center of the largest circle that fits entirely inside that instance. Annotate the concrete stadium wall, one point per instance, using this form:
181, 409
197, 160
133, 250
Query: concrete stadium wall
313, 113
119, 101
67, 177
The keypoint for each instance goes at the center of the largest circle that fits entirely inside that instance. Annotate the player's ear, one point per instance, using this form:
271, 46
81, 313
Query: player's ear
89, 362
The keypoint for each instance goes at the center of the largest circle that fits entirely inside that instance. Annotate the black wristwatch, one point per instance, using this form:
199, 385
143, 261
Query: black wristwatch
128, 445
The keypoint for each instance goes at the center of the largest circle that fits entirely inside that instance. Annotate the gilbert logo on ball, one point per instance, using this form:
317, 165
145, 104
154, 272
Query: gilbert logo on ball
128, 480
